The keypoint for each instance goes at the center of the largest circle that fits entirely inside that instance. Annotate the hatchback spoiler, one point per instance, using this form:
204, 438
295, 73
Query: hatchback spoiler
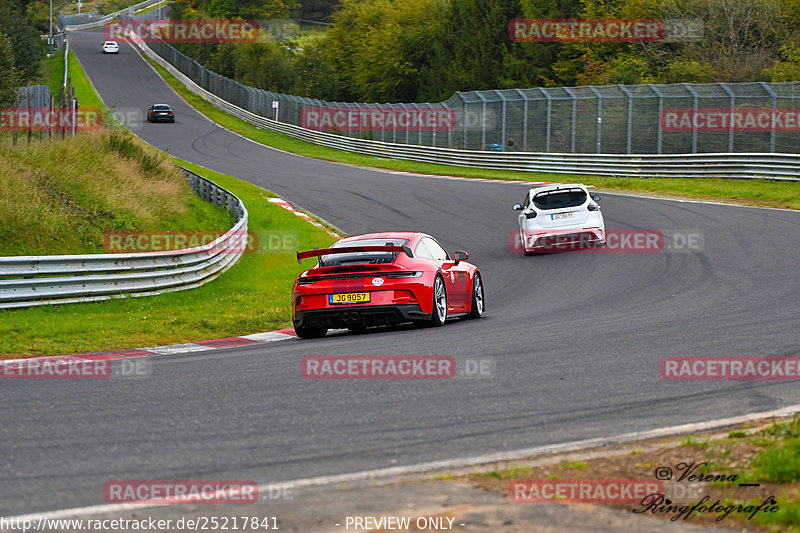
350, 249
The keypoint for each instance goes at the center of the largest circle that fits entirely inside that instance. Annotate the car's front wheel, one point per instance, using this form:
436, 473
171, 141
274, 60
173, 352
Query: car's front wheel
439, 310
478, 303
309, 332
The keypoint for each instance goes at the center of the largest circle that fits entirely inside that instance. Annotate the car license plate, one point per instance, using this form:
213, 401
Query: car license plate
562, 216
349, 298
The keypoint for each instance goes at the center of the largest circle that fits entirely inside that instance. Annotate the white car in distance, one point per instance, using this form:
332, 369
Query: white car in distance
560, 217
110, 47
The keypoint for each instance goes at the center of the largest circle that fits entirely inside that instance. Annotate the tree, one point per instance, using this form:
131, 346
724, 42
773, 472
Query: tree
10, 79
27, 47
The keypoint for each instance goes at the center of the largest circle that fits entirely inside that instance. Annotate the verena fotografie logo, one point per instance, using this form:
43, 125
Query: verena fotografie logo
616, 241
724, 120
50, 119
730, 368
180, 492
582, 490
377, 119
184, 31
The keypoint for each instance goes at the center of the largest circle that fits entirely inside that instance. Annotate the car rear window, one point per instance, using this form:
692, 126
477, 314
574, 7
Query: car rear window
161, 107
560, 199
362, 258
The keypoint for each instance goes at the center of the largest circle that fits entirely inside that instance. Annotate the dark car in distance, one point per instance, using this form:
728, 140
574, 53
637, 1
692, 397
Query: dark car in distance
160, 113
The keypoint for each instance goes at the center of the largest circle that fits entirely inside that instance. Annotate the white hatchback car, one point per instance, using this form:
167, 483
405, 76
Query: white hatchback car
110, 47
560, 217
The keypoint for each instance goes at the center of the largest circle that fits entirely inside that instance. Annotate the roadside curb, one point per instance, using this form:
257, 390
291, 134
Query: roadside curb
171, 349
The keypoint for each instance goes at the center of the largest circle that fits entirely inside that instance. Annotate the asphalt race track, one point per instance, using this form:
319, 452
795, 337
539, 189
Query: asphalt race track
576, 338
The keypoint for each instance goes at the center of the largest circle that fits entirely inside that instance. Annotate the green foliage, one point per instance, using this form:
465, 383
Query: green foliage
9, 76
27, 47
425, 50
263, 65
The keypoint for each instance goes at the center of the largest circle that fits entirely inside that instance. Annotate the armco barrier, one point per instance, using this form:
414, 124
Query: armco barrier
729, 165
63, 21
27, 281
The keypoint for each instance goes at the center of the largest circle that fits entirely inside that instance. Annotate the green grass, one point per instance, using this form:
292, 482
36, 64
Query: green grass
253, 296
759, 192
53, 72
63, 196
87, 97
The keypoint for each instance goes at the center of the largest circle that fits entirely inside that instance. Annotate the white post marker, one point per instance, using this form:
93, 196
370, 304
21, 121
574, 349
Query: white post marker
275, 107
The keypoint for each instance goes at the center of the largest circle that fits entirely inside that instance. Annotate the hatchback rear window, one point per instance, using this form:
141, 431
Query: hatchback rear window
560, 199
362, 258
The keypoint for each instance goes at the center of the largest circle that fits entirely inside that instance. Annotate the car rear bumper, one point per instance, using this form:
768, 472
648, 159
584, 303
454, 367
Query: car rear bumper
360, 316
565, 239
161, 119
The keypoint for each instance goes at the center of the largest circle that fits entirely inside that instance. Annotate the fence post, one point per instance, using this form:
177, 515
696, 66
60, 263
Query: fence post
660, 111
730, 119
574, 114
483, 120
630, 116
694, 116
599, 116
30, 127
524, 120
464, 137
548, 123
772, 117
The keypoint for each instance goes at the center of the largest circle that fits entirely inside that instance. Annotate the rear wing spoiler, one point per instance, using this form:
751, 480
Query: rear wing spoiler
316, 252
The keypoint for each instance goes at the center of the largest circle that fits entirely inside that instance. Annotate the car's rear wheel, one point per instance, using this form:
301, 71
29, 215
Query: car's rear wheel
439, 310
478, 303
309, 332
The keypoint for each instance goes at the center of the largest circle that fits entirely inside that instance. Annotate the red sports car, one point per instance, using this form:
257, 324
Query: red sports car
383, 279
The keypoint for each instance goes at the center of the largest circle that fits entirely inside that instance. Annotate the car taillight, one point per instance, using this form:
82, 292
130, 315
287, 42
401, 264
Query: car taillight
593, 207
403, 275
531, 214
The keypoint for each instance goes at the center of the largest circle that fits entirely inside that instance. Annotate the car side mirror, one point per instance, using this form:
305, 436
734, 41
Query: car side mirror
596, 197
517, 207
461, 256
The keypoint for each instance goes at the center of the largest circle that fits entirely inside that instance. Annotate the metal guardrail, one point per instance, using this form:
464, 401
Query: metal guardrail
730, 165
65, 23
27, 281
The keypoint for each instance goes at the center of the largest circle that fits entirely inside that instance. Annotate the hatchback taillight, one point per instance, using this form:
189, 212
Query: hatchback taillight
531, 214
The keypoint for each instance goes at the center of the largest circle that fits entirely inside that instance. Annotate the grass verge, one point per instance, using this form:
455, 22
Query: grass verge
63, 196
758, 192
53, 72
252, 296
764, 457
